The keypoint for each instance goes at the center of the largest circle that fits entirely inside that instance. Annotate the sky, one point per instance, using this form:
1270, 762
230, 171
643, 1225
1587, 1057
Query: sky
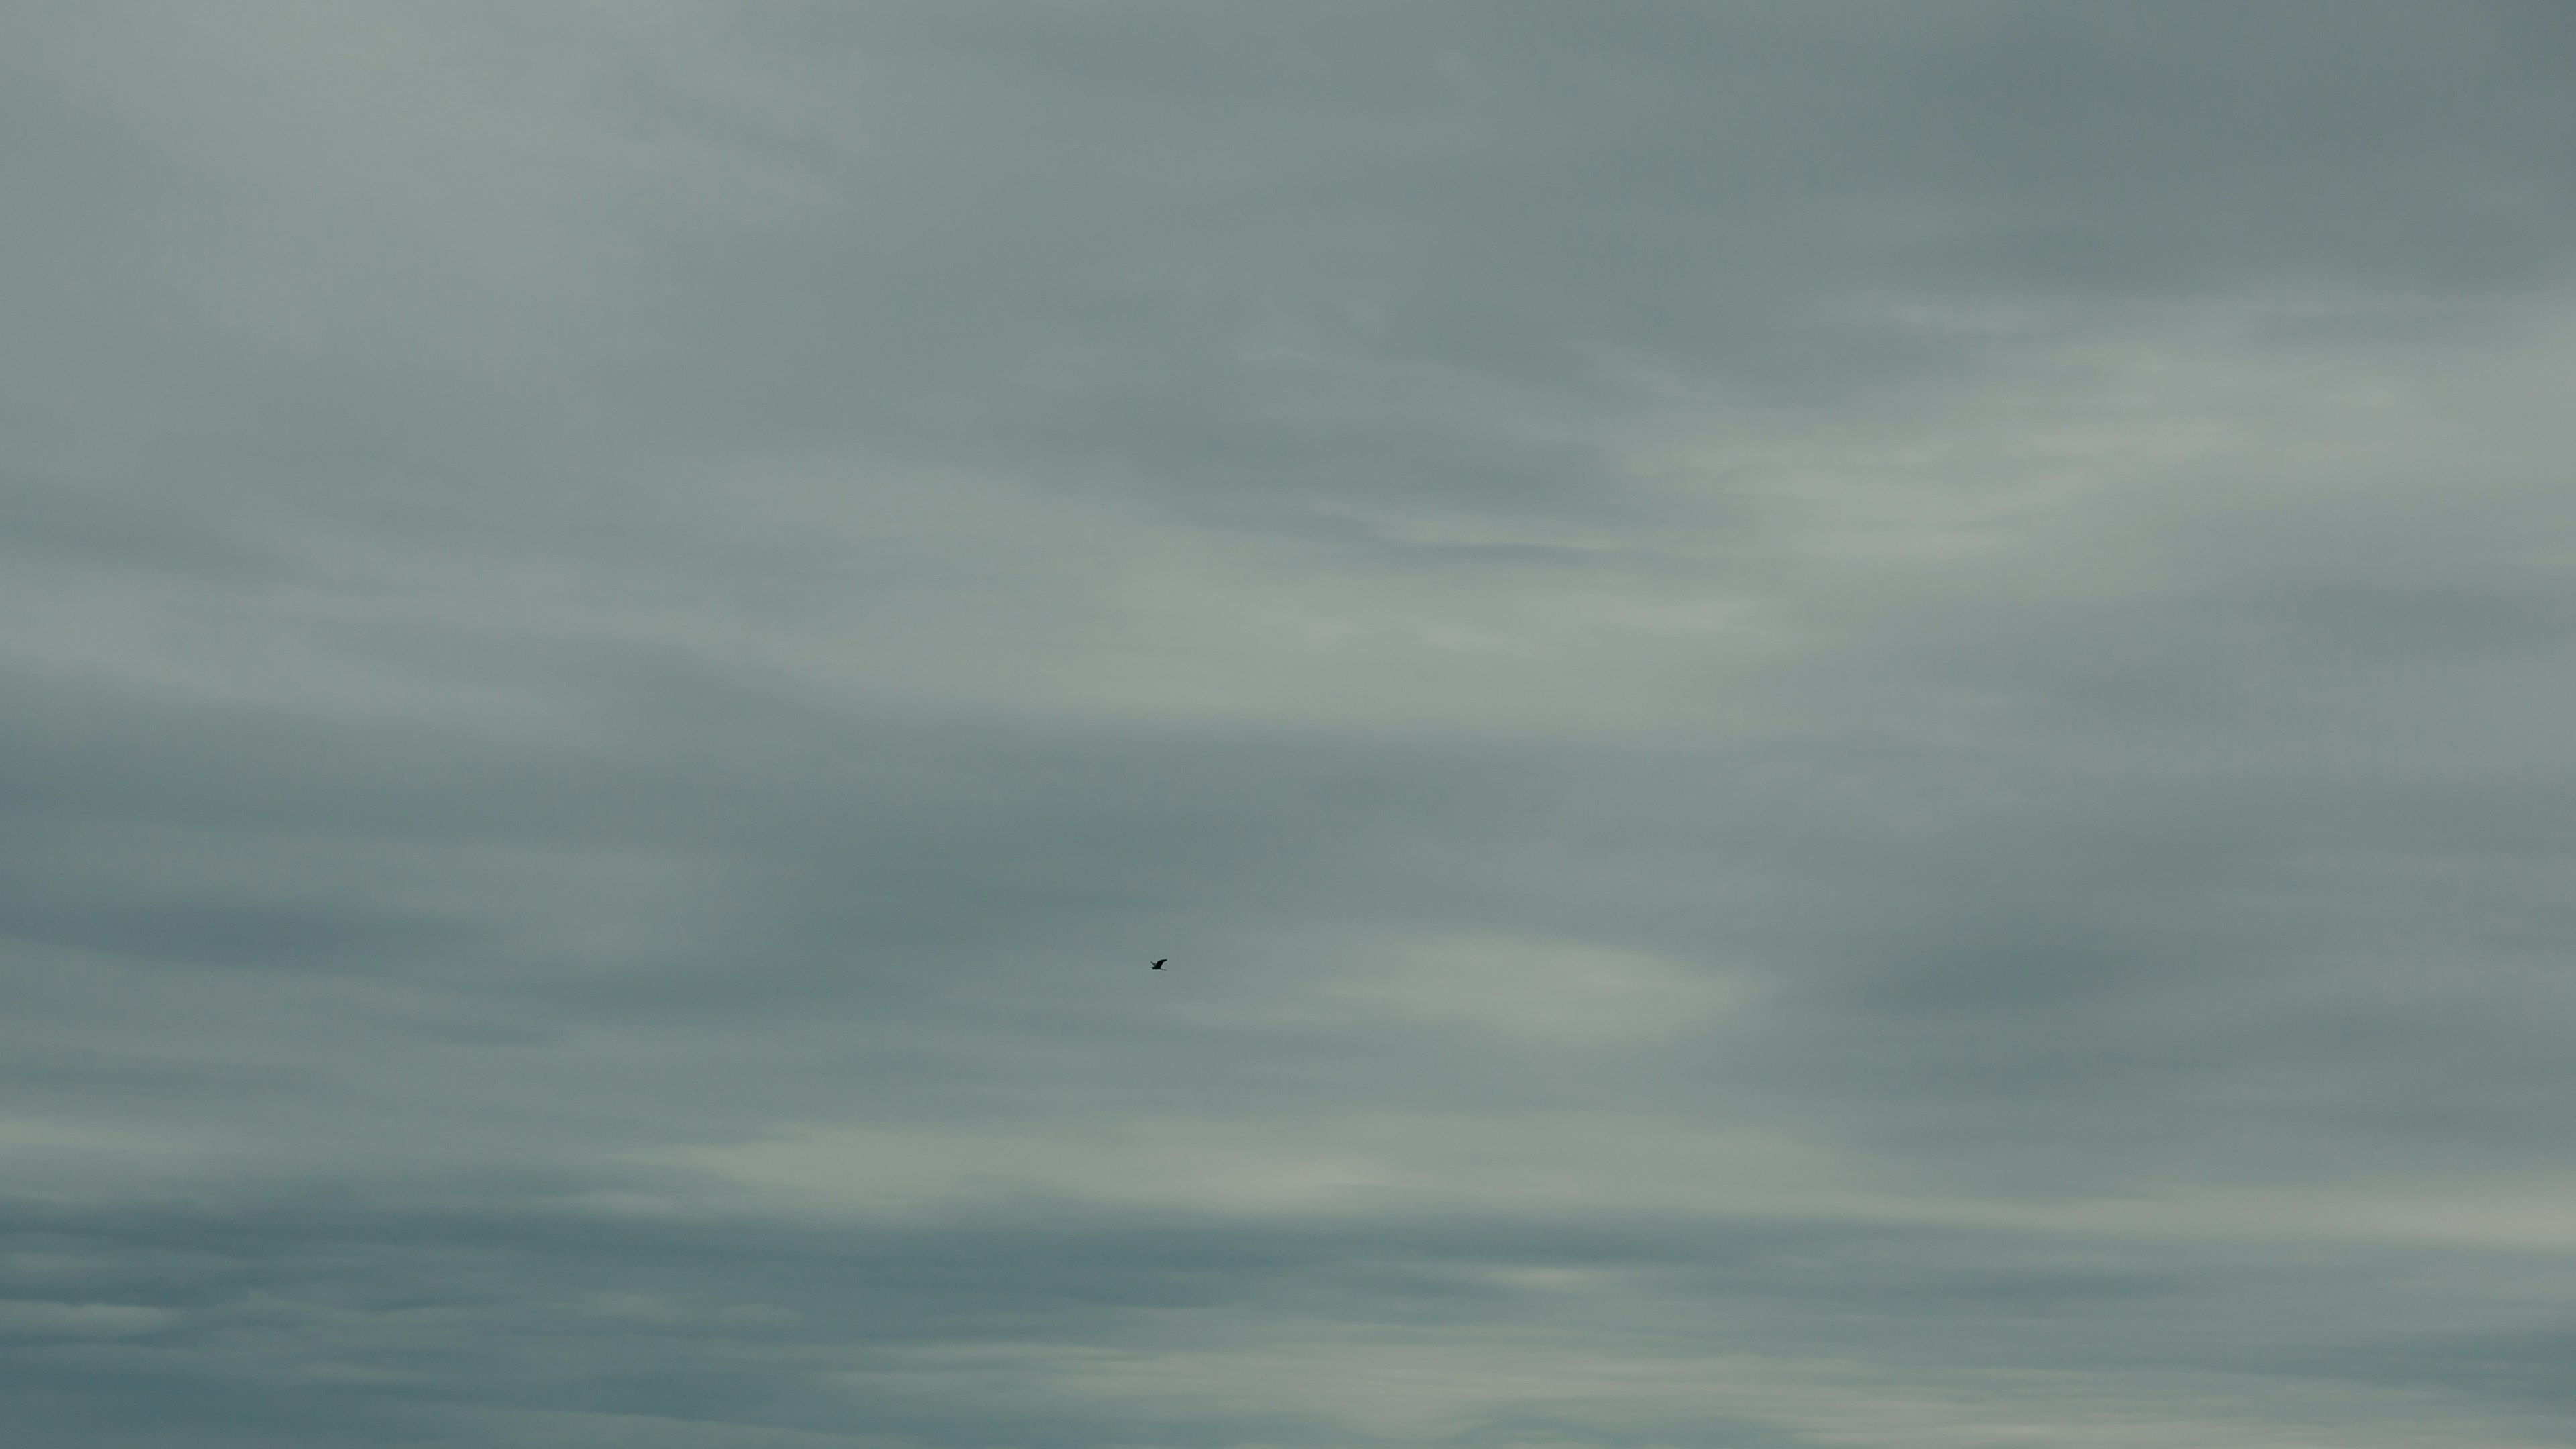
1847, 722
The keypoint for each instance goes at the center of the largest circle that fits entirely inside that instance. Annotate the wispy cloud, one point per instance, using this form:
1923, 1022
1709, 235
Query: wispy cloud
1844, 723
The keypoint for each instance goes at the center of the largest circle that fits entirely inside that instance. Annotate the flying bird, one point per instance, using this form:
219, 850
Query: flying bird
1159, 964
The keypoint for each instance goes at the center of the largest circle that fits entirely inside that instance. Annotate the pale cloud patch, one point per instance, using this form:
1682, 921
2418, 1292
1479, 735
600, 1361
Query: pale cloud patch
1545, 991
24, 1318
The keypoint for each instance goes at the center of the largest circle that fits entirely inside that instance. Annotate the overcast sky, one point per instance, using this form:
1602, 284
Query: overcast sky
1849, 724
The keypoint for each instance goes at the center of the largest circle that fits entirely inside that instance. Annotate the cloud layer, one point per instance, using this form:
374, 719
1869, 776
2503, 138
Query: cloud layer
1846, 724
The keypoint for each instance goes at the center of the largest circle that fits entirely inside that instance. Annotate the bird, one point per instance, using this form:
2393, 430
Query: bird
1159, 964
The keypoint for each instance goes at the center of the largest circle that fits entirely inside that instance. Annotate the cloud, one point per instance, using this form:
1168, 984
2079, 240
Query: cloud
1844, 723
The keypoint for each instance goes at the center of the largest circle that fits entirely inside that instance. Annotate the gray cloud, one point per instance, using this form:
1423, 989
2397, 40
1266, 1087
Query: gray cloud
1844, 723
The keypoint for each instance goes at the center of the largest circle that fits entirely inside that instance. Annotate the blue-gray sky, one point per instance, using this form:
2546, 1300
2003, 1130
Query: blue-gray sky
1849, 724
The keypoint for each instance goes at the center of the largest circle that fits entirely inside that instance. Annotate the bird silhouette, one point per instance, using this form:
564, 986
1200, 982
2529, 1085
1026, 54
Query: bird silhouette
1159, 964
